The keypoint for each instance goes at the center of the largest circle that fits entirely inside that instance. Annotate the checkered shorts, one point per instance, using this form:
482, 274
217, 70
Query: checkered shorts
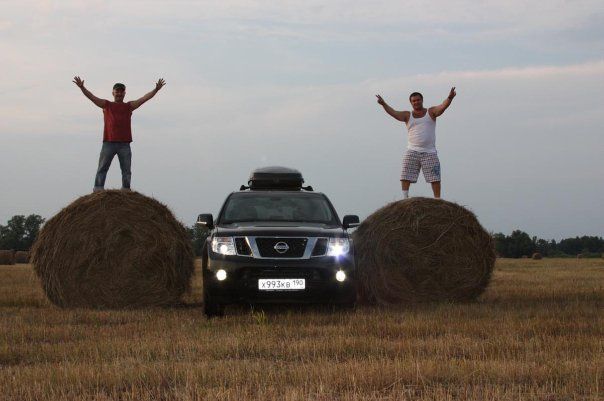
413, 161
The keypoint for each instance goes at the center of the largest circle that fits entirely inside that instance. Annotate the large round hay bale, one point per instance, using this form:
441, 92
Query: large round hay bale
22, 257
113, 249
7, 257
422, 250
537, 256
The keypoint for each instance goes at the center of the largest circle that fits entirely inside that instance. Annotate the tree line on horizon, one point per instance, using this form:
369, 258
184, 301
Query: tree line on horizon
21, 231
520, 244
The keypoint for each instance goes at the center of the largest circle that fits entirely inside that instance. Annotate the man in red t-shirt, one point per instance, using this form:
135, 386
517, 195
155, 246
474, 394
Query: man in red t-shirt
117, 133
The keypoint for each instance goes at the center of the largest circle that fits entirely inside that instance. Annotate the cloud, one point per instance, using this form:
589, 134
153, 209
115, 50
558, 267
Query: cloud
586, 69
316, 19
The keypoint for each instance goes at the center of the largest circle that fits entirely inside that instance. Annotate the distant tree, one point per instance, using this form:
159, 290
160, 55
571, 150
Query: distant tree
584, 244
515, 245
542, 246
521, 244
571, 246
20, 232
198, 235
33, 223
502, 245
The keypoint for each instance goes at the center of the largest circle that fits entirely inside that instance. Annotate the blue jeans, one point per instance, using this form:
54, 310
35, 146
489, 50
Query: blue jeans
110, 149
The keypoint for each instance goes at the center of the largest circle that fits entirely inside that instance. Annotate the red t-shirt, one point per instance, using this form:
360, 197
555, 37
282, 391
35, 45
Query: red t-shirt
117, 122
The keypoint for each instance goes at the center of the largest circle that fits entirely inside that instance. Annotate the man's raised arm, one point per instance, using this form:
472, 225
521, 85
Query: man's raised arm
438, 110
80, 83
135, 104
399, 115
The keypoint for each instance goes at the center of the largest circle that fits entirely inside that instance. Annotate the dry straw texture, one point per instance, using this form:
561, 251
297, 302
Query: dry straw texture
537, 256
422, 250
22, 257
7, 257
113, 249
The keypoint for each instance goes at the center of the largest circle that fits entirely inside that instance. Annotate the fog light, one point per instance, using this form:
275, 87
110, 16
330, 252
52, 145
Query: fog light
221, 275
340, 276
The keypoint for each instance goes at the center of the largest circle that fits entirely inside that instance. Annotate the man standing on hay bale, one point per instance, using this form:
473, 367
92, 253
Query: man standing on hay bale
421, 148
117, 133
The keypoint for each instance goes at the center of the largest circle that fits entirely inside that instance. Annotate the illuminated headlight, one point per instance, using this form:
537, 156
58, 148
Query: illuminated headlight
340, 276
224, 245
221, 275
338, 246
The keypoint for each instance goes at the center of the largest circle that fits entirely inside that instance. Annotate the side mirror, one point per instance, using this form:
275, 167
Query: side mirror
350, 220
206, 220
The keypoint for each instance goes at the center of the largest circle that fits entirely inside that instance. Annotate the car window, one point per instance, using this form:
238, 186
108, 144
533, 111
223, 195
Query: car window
278, 207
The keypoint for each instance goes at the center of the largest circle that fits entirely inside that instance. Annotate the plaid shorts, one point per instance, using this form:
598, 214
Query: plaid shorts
413, 161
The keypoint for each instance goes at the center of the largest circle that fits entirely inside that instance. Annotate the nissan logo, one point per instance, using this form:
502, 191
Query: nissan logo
281, 247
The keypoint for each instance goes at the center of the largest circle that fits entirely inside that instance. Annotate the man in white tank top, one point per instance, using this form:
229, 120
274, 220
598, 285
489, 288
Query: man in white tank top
421, 148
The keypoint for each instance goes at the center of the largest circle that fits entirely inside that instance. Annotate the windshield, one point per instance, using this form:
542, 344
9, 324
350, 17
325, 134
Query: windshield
289, 207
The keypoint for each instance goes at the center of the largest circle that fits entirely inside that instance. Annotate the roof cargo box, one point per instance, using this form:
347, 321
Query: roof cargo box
276, 177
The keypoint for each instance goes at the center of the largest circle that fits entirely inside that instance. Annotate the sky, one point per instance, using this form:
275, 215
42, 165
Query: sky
257, 83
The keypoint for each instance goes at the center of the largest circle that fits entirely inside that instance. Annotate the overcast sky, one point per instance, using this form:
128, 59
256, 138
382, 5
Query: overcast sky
256, 83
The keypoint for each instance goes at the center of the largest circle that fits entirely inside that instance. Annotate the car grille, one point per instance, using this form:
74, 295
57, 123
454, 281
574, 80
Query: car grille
266, 247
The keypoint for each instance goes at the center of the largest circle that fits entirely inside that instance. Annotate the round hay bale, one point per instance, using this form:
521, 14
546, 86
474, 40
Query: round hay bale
7, 257
22, 257
579, 256
113, 249
537, 256
422, 250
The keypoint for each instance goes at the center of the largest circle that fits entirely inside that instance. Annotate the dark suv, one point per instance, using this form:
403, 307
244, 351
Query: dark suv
275, 241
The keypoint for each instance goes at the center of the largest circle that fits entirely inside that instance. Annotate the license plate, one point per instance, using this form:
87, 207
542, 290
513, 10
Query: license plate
281, 284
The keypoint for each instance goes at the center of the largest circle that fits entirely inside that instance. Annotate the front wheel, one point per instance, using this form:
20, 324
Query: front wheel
211, 308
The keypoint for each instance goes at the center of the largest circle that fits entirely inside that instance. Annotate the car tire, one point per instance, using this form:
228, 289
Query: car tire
212, 309
347, 306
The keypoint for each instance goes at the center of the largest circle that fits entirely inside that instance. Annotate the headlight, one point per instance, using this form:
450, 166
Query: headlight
338, 246
224, 245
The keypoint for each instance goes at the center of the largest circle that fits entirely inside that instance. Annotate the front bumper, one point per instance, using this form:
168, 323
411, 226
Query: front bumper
241, 283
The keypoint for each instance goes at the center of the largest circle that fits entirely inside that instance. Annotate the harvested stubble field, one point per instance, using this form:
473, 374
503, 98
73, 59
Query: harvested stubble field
537, 333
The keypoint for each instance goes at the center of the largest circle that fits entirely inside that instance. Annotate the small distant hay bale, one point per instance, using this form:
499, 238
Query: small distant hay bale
422, 250
22, 257
7, 257
113, 249
537, 256
580, 256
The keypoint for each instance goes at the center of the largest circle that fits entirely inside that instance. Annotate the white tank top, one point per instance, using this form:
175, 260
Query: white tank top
422, 133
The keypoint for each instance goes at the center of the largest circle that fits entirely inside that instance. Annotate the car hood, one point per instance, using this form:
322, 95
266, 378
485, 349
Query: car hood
274, 229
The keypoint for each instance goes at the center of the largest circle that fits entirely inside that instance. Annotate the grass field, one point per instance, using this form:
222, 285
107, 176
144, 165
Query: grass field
536, 334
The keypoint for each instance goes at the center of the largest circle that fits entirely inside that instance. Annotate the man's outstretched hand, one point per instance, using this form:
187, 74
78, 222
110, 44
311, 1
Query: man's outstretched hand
380, 100
160, 84
78, 81
452, 93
